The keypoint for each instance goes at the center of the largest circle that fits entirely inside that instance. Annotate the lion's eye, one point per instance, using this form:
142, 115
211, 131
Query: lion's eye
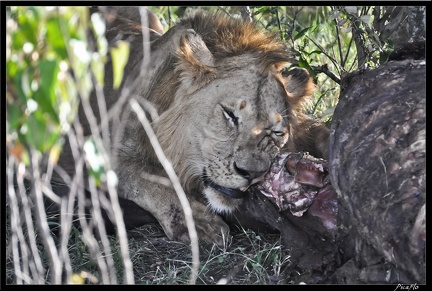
278, 133
231, 116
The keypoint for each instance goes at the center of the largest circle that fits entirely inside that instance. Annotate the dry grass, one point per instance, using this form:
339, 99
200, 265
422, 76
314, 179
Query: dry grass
246, 258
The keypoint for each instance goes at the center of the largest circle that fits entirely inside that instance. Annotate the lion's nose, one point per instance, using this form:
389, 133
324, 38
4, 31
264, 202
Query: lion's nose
249, 175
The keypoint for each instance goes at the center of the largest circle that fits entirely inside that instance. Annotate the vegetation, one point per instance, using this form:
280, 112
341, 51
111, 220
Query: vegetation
51, 66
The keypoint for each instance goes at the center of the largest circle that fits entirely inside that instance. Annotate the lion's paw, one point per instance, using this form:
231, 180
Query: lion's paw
210, 227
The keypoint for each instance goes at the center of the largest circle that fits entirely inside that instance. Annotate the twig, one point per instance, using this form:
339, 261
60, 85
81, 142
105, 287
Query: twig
224, 10
245, 13
361, 56
17, 243
324, 52
176, 184
324, 69
279, 24
339, 43
41, 219
347, 53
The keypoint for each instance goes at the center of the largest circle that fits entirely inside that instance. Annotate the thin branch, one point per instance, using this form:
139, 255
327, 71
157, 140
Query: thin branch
324, 69
339, 43
348, 51
41, 219
324, 52
361, 55
169, 16
224, 10
245, 13
190, 223
17, 243
279, 24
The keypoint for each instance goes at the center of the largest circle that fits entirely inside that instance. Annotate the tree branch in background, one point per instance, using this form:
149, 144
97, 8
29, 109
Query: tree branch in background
225, 11
339, 43
324, 69
190, 223
361, 54
337, 65
245, 13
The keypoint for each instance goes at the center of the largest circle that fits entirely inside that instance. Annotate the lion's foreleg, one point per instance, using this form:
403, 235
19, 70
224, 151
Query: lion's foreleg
162, 202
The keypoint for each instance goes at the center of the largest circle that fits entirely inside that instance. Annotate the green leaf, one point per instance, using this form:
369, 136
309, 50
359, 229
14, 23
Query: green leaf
46, 106
302, 32
27, 27
48, 70
18, 40
262, 10
19, 81
120, 56
11, 68
45, 95
314, 52
14, 116
55, 38
315, 27
302, 63
30, 132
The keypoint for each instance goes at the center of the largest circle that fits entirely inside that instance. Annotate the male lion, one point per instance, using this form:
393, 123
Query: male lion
225, 111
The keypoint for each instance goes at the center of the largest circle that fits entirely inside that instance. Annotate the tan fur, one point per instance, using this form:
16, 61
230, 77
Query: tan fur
225, 111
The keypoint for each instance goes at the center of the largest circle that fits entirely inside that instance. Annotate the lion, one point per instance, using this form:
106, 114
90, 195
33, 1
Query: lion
226, 107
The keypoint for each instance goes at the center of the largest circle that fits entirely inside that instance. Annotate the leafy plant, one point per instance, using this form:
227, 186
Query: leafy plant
55, 57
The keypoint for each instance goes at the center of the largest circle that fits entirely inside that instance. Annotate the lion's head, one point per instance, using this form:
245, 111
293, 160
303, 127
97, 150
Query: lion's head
225, 108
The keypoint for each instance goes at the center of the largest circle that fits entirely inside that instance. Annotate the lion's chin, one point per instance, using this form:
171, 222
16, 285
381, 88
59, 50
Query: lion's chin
230, 192
219, 201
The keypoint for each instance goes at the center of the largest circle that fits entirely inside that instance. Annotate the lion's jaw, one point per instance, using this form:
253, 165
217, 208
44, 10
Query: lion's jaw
219, 202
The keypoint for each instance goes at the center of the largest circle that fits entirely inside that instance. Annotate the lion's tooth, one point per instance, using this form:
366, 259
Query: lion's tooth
244, 189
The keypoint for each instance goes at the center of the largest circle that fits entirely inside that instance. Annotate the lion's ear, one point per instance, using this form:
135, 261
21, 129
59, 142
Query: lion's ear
195, 61
299, 84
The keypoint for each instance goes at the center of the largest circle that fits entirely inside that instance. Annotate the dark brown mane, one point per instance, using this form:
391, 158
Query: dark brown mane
227, 36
